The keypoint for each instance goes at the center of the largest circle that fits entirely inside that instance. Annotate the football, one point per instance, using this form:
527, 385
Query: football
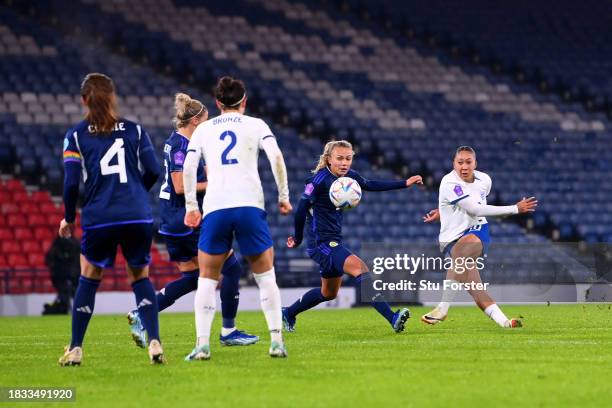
345, 193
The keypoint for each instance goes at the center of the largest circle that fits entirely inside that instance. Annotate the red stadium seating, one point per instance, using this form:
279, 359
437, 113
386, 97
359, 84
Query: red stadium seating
5, 196
41, 196
20, 197
18, 261
11, 247
14, 185
45, 233
31, 247
37, 220
6, 234
9, 208
16, 220
23, 233
28, 226
29, 208
49, 208
36, 260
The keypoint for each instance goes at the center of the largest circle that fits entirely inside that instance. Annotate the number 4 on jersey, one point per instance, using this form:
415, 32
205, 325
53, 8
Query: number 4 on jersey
106, 168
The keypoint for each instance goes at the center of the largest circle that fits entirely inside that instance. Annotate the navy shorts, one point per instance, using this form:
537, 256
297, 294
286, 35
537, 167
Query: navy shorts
99, 245
481, 231
330, 256
247, 224
182, 248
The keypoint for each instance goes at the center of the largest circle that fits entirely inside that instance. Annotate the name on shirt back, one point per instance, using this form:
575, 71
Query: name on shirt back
119, 126
235, 119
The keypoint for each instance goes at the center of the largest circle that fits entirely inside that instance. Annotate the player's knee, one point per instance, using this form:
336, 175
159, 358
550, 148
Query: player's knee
329, 293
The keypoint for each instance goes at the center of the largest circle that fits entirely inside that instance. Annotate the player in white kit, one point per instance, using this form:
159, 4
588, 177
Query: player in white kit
464, 233
234, 206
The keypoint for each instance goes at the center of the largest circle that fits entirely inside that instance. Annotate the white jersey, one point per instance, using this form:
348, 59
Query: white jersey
230, 145
454, 219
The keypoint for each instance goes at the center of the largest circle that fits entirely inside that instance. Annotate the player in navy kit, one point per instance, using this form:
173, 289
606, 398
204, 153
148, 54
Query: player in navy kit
109, 153
181, 240
324, 231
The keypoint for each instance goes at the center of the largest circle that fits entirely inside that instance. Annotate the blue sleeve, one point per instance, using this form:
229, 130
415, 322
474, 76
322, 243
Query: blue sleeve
177, 157
149, 162
302, 210
72, 175
376, 185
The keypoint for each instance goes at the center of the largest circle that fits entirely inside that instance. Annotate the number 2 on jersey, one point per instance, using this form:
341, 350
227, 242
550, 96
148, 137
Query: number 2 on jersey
106, 168
224, 158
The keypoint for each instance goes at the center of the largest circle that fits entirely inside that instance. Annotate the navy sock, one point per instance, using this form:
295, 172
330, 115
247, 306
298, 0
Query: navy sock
146, 302
308, 300
230, 294
177, 289
373, 297
82, 309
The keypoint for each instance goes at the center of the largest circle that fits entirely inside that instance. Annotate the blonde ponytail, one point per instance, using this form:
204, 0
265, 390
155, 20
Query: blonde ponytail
327, 152
186, 109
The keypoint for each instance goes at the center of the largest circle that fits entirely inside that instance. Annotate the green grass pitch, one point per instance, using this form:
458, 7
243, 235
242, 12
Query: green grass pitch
348, 358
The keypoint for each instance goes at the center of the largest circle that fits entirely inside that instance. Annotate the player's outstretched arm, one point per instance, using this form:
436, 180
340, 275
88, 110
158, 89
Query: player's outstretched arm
474, 208
385, 185
279, 170
298, 223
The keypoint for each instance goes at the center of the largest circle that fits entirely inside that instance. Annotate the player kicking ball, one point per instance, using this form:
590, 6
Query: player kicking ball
464, 232
324, 231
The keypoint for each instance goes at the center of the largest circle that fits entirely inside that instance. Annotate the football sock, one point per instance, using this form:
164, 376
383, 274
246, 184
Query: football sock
269, 296
495, 313
82, 309
308, 300
146, 302
230, 295
177, 289
204, 304
448, 295
374, 297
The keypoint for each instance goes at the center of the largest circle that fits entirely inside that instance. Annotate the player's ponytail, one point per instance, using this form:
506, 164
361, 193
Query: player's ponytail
327, 152
230, 92
98, 92
185, 109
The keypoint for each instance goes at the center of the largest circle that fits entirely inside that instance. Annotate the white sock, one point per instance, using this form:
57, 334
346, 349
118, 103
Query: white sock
448, 295
443, 306
270, 298
204, 305
225, 331
495, 313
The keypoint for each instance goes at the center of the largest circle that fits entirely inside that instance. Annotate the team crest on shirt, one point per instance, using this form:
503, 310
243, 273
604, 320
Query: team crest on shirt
179, 157
458, 190
333, 244
309, 189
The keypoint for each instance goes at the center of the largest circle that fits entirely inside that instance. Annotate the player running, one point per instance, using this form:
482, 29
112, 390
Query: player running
109, 152
233, 206
324, 231
182, 241
464, 233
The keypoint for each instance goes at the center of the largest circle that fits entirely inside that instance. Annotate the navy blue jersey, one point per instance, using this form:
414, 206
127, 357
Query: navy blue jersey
324, 220
173, 204
110, 164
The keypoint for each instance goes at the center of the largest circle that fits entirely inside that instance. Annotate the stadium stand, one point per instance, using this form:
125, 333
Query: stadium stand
315, 73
